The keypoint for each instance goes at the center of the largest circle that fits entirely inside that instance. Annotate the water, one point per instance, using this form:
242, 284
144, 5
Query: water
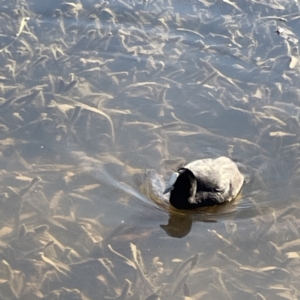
101, 102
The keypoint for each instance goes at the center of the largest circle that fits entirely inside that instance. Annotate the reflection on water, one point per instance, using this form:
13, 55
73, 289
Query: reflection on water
100, 102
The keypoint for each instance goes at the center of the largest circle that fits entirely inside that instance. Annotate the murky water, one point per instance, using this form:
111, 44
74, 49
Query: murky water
101, 102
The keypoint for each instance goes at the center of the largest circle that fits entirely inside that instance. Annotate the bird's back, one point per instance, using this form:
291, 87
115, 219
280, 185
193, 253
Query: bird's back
220, 175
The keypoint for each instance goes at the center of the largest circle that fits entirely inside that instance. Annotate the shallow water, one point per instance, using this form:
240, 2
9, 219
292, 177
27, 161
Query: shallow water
101, 102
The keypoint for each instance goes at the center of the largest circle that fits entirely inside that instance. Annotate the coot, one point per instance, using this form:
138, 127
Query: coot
205, 182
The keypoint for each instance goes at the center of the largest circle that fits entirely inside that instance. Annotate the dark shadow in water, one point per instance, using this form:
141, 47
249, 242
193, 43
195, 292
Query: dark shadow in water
179, 225
180, 222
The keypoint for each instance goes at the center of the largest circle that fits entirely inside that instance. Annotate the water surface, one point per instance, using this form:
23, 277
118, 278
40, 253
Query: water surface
101, 102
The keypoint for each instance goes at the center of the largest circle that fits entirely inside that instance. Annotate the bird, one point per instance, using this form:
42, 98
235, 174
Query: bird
204, 182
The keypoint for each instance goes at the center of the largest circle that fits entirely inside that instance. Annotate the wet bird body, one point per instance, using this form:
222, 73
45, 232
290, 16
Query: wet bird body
205, 182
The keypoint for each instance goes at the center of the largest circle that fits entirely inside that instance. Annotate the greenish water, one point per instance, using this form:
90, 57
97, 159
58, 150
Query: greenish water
101, 102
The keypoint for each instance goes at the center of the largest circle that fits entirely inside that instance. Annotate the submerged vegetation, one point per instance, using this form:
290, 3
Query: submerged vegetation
99, 101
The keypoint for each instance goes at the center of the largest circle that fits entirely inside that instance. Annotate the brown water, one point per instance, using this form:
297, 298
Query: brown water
101, 102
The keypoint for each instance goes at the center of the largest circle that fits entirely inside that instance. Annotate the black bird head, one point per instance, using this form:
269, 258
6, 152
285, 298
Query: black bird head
182, 188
